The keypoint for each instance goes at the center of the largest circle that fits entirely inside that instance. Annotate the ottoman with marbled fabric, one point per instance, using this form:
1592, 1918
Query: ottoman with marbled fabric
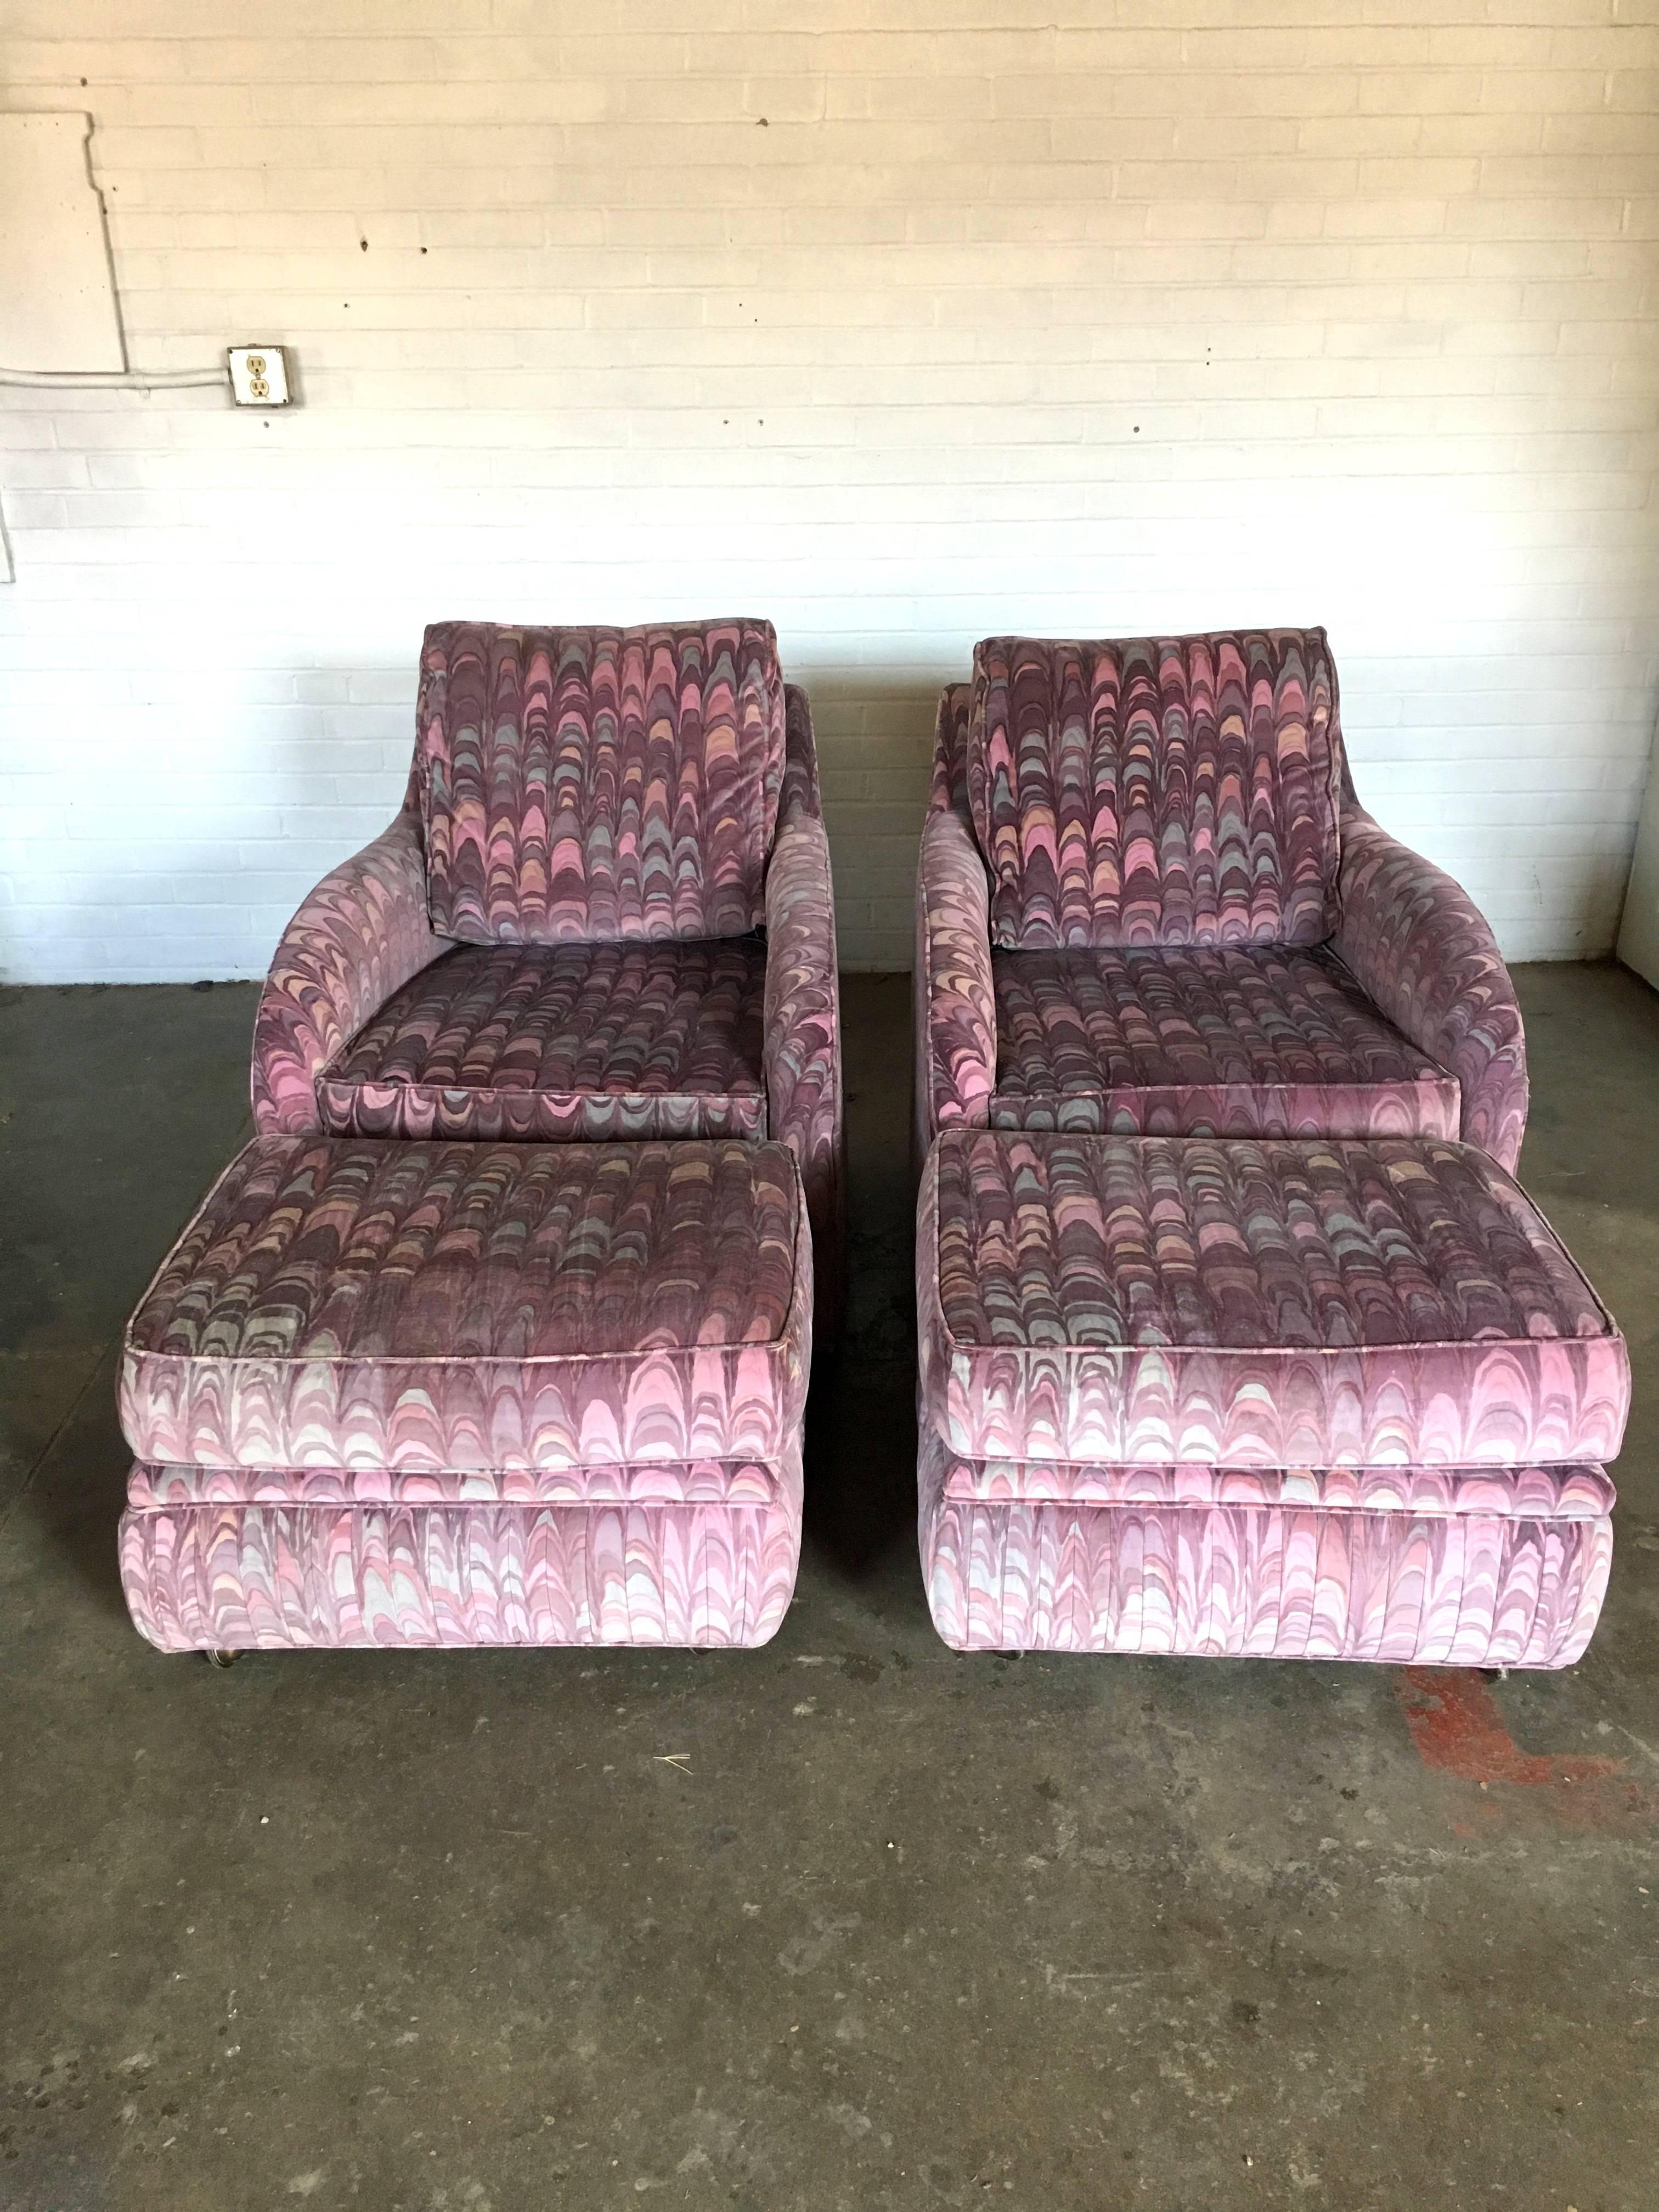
1313, 1398
429, 1393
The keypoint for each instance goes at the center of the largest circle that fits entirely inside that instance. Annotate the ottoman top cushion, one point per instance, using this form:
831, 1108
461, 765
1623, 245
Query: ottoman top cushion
347, 1303
1308, 1303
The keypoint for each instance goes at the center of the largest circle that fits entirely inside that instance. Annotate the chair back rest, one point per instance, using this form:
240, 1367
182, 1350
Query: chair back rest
592, 784
1157, 790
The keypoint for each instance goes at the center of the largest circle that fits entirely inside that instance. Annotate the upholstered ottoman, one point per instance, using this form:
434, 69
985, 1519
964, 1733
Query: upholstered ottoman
417, 1394
1312, 1398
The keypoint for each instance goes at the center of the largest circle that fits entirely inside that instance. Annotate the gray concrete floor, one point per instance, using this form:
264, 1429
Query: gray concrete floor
447, 1931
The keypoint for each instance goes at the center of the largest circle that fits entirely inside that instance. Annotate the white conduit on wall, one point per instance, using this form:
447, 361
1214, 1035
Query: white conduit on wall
124, 379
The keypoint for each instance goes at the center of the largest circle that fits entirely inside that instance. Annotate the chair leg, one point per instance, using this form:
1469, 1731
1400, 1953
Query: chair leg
220, 1658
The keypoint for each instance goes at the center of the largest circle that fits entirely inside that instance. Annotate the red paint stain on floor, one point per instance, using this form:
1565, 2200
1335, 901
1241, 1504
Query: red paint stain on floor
1458, 1731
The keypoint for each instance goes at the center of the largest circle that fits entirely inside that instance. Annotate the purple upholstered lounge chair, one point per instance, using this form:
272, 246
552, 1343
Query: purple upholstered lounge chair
1150, 901
603, 911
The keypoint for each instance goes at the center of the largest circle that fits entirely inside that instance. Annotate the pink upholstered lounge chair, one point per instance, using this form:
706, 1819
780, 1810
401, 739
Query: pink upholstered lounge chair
1150, 901
603, 911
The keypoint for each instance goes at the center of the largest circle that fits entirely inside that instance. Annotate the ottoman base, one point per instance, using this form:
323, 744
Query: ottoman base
437, 1393
260, 1577
1457, 1574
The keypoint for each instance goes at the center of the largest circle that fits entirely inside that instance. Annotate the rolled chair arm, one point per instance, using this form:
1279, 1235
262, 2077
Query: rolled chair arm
801, 1051
358, 937
955, 1022
1422, 952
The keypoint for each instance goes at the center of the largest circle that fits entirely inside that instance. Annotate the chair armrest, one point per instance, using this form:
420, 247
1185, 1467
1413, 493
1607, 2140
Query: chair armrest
1421, 951
358, 937
801, 1048
955, 1022
949, 786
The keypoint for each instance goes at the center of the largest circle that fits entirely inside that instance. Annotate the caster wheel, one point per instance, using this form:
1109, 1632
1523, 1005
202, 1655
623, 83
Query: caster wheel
220, 1658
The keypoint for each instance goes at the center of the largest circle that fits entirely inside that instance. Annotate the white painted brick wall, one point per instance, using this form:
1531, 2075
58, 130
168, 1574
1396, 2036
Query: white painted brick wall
1159, 315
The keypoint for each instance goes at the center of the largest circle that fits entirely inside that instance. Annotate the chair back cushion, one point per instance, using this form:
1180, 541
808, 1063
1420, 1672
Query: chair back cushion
587, 785
1157, 790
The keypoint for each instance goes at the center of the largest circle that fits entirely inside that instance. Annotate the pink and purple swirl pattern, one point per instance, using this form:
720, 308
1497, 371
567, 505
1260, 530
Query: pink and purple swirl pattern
592, 785
606, 757
561, 1042
953, 999
421, 1307
1583, 1492
1404, 1021
234, 1577
358, 936
1221, 1040
801, 1054
1395, 1301
646, 1482
1421, 949
1458, 1576
1338, 1395
1157, 790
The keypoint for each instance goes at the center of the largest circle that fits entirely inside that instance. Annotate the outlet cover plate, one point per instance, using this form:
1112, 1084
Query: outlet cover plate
259, 376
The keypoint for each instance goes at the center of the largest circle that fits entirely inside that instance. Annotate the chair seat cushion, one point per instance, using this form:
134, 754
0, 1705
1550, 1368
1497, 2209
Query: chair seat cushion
341, 1303
562, 1042
1224, 1040
1381, 1303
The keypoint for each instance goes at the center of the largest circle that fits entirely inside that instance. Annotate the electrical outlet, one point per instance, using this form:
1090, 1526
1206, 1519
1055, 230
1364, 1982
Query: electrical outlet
259, 376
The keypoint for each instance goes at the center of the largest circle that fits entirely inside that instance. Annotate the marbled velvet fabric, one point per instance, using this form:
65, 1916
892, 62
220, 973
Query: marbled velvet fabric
358, 1304
1579, 1493
562, 1042
1092, 1035
1456, 1573
601, 1482
356, 940
1421, 949
231, 1577
1339, 1397
1157, 791
588, 785
372, 1024
953, 999
1307, 1303
1229, 1040
801, 1055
